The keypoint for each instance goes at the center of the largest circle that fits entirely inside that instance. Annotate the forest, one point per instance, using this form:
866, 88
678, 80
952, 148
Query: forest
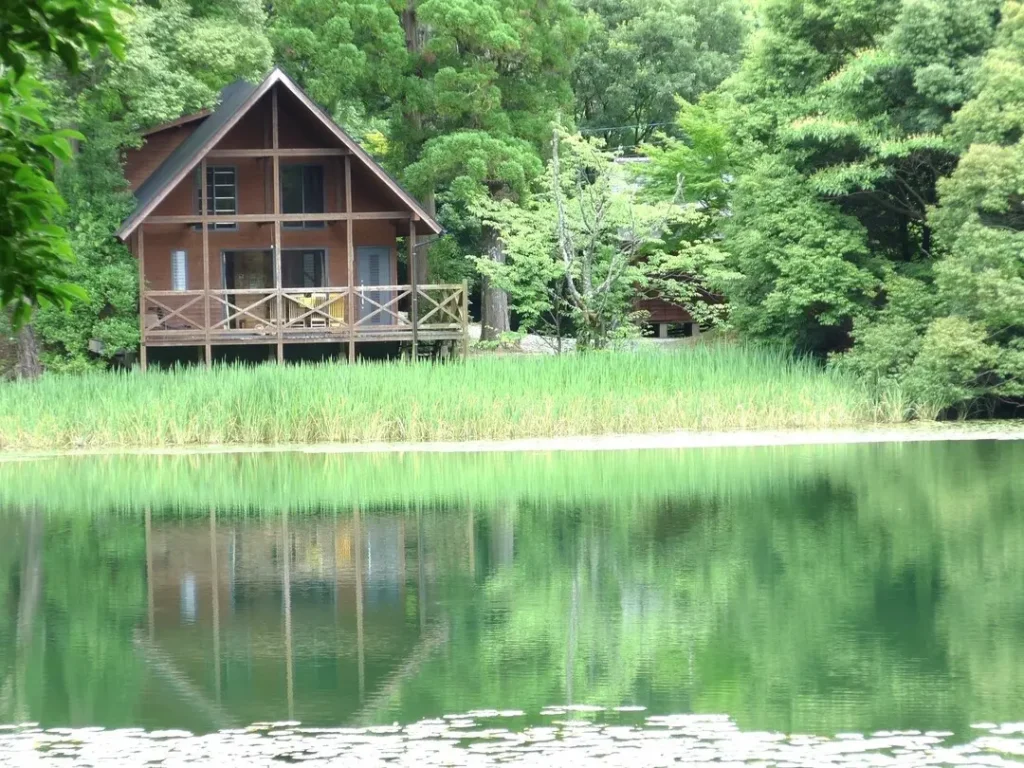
841, 179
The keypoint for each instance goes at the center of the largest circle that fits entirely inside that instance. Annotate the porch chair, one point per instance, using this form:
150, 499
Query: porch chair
317, 319
336, 309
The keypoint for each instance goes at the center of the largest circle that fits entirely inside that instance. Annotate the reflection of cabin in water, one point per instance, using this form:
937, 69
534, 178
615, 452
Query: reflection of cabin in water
262, 222
305, 617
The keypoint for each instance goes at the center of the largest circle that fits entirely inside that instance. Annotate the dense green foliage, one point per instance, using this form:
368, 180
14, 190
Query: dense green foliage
711, 387
643, 55
955, 335
873, 147
837, 112
839, 177
34, 248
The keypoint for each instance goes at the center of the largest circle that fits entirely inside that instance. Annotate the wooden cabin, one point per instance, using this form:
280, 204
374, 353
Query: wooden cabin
262, 222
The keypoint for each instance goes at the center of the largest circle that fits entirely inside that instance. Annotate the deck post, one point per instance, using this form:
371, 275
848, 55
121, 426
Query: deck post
351, 255
279, 302
206, 260
465, 319
279, 311
140, 241
414, 306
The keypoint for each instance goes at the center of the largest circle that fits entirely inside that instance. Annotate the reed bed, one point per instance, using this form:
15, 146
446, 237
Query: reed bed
712, 387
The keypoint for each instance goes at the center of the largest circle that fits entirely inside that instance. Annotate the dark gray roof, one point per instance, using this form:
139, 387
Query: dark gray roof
186, 154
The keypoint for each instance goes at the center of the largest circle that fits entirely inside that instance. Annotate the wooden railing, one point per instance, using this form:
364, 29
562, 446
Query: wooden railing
442, 307
245, 309
172, 311
378, 305
324, 308
242, 313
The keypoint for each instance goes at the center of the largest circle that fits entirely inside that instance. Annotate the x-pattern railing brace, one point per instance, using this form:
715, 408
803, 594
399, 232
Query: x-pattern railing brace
247, 310
173, 313
385, 308
440, 307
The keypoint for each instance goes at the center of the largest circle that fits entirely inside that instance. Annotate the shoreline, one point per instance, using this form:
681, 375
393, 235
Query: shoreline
682, 440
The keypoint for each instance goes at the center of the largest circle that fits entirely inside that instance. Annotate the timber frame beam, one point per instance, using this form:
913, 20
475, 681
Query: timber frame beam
224, 154
270, 218
279, 309
350, 258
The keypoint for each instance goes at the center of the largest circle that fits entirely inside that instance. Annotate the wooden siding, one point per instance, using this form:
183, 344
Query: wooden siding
140, 163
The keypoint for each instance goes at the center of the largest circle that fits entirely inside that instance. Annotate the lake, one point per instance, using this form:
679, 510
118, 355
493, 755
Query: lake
840, 605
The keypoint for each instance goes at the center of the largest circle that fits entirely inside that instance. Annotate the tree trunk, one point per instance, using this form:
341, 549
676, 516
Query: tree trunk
28, 365
423, 252
415, 37
494, 315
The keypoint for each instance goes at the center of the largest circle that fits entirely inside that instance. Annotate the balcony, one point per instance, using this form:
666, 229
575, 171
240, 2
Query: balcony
311, 315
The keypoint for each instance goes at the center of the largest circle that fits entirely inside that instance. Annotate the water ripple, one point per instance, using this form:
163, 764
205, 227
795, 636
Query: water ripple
477, 739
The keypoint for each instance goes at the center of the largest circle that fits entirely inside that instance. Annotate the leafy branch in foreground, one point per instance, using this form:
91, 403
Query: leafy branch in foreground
34, 249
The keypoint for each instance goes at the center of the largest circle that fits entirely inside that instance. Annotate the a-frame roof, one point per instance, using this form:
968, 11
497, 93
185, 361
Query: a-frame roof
237, 99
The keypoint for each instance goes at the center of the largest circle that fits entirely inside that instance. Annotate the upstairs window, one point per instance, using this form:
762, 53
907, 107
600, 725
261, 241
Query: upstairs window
221, 194
302, 191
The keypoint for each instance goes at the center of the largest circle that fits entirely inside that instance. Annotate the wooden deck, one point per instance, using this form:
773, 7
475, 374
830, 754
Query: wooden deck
396, 313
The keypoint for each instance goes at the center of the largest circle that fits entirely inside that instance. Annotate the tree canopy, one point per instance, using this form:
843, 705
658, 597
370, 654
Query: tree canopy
642, 55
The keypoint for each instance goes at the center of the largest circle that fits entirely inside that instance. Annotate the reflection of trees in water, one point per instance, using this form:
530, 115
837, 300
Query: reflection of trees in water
827, 589
875, 589
72, 659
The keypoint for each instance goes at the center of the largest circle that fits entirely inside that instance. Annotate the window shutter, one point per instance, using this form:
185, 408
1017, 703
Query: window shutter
179, 270
374, 269
378, 296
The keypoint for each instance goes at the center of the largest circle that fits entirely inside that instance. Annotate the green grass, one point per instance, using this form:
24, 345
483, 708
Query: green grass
711, 387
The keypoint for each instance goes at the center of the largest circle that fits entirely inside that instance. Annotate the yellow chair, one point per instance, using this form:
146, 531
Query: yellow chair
336, 309
315, 302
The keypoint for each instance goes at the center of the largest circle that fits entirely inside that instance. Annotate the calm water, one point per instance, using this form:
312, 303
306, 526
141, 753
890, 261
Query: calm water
737, 605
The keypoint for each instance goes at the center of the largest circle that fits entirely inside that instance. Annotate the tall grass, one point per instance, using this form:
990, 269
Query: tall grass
701, 388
